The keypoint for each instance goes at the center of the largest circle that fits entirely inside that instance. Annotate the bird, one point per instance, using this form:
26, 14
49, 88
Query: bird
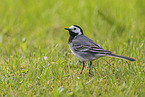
86, 49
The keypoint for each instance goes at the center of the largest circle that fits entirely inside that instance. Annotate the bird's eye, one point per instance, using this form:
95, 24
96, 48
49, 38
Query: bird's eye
74, 28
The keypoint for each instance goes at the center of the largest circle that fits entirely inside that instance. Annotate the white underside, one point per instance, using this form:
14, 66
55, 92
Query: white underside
72, 50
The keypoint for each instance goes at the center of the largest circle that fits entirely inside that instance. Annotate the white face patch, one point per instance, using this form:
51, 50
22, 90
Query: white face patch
75, 30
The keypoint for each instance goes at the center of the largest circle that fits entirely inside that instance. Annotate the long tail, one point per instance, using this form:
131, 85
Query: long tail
121, 57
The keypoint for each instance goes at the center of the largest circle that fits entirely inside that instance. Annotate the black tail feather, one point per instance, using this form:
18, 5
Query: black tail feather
121, 57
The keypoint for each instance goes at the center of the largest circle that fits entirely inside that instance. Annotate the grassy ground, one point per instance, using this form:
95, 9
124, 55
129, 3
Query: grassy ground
35, 59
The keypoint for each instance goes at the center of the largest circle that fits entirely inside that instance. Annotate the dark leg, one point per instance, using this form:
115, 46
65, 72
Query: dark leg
90, 67
83, 67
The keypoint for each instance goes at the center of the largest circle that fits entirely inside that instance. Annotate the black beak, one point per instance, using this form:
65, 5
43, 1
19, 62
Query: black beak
66, 28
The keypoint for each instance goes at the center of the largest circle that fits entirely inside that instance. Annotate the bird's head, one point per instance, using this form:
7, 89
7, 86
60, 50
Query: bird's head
74, 30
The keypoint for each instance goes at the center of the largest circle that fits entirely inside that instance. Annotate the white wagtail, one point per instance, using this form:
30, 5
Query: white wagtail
86, 49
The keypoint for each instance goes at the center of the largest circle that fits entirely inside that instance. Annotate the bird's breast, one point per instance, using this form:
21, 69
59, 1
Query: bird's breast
75, 53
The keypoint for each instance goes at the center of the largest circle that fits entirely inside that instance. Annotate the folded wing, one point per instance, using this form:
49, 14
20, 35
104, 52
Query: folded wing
91, 49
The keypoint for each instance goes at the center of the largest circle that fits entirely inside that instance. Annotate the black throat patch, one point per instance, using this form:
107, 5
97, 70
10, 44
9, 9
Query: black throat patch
72, 35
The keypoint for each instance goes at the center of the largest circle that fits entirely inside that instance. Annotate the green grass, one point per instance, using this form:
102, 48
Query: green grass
31, 30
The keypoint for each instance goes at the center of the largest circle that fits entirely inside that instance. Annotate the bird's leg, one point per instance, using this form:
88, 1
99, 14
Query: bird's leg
90, 67
83, 67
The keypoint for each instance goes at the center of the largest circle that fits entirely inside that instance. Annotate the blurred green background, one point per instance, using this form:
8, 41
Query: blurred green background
36, 60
